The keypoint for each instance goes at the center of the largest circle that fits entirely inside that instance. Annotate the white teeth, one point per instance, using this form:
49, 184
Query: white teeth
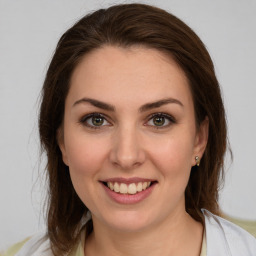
132, 189
144, 185
139, 187
123, 188
110, 185
116, 187
128, 189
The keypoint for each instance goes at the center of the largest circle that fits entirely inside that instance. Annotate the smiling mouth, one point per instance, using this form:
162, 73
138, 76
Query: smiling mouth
129, 189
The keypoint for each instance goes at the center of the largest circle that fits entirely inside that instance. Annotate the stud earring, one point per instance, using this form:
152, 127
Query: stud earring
197, 160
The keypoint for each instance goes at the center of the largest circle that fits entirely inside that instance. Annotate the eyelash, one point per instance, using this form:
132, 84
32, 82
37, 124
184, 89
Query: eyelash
170, 119
84, 120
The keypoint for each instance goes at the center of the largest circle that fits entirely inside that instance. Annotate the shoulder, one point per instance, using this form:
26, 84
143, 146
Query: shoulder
226, 238
36, 245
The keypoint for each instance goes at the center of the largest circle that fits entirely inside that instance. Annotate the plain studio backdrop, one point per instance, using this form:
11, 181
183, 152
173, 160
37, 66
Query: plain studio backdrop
29, 31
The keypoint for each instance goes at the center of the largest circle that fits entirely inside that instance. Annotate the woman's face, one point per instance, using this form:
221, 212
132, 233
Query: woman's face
129, 136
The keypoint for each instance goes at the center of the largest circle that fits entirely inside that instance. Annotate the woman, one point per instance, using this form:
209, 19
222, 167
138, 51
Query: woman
133, 125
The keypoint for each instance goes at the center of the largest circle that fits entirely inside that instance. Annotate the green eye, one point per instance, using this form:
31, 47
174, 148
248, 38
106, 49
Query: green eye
159, 120
97, 120
94, 120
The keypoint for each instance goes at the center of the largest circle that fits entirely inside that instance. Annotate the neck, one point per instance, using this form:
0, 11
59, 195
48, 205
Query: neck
165, 238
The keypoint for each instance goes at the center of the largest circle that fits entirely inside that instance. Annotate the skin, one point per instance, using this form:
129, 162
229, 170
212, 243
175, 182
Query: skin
129, 144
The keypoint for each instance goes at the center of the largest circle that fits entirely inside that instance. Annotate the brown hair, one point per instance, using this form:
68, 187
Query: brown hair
127, 25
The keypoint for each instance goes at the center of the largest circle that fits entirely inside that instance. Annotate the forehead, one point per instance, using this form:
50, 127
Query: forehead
116, 74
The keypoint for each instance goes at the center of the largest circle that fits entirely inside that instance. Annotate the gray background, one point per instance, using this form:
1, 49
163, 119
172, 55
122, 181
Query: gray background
29, 31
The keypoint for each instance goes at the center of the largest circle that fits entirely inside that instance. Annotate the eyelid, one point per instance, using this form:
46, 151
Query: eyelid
170, 118
84, 118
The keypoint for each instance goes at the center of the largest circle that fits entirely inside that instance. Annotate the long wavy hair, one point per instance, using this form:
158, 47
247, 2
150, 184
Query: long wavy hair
124, 26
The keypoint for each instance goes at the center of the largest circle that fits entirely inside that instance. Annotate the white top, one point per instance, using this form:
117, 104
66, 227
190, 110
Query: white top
223, 238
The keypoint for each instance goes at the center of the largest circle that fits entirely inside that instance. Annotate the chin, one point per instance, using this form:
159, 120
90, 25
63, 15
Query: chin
129, 221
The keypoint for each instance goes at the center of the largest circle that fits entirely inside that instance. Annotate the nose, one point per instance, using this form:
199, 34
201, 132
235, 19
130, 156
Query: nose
127, 150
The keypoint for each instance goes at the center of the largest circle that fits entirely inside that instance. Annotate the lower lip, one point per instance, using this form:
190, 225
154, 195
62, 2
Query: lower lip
127, 198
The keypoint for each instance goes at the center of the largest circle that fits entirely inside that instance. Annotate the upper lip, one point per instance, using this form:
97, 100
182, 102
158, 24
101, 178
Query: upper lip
127, 180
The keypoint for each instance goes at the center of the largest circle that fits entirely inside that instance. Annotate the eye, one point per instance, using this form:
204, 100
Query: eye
160, 120
94, 120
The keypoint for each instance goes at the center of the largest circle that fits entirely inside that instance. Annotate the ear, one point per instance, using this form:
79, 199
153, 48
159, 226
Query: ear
61, 144
201, 140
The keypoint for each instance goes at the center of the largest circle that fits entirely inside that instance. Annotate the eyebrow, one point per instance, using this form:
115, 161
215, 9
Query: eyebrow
159, 103
143, 108
96, 103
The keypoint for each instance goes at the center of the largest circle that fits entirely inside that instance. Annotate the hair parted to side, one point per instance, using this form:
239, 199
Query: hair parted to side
125, 26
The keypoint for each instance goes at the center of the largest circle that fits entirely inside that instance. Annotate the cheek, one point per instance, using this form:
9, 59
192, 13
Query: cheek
85, 156
85, 153
172, 157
